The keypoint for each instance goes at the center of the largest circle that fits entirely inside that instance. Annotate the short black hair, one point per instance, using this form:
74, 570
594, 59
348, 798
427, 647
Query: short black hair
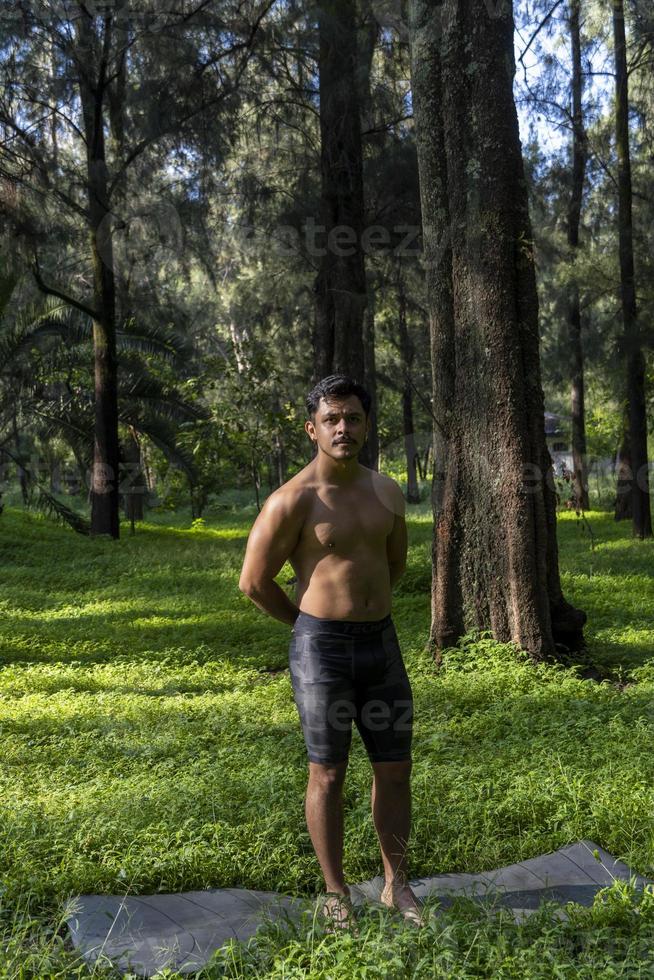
337, 386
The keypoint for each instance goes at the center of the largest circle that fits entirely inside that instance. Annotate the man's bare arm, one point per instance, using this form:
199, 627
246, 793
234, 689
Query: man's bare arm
396, 542
273, 538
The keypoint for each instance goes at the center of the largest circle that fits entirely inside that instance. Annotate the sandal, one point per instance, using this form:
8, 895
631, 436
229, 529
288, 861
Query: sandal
338, 911
409, 912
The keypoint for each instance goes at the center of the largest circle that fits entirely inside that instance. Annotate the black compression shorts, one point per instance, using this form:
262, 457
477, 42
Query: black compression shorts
351, 671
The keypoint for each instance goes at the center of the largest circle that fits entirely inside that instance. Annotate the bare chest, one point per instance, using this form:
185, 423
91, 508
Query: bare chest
345, 525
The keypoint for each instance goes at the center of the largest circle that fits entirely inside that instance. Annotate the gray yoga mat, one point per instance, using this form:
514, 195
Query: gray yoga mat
147, 933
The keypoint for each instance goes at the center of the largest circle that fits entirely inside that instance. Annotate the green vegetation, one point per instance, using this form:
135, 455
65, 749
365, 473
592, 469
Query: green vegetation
151, 743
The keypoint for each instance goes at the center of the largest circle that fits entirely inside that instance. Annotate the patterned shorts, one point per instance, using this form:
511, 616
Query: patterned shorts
351, 671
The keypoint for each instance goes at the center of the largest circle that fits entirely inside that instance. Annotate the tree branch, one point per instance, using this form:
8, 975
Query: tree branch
542, 24
53, 291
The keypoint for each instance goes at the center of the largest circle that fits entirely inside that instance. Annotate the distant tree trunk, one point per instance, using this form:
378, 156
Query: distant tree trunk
496, 499
116, 97
422, 462
278, 455
340, 287
55, 473
92, 62
256, 480
406, 355
54, 139
22, 475
635, 360
579, 467
136, 486
150, 476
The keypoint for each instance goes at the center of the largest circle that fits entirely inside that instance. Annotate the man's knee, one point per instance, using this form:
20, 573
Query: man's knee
396, 773
327, 776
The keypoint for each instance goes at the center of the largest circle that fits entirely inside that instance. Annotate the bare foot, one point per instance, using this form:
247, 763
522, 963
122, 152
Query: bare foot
337, 909
400, 896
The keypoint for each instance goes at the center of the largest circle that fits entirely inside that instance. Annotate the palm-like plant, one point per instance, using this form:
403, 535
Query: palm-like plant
45, 382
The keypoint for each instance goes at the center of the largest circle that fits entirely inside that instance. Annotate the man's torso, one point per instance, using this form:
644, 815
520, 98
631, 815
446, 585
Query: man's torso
340, 559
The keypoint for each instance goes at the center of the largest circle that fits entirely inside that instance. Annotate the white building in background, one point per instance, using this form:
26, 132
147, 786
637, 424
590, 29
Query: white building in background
559, 443
557, 436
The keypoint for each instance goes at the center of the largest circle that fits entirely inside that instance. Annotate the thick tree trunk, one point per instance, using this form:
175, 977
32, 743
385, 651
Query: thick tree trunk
104, 488
624, 473
635, 360
406, 355
447, 623
340, 287
579, 467
369, 455
494, 500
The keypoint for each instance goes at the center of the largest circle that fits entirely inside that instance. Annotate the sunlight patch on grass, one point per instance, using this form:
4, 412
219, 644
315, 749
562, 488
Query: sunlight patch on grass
151, 742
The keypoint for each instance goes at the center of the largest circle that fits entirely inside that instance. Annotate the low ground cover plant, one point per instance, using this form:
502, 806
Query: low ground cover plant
150, 742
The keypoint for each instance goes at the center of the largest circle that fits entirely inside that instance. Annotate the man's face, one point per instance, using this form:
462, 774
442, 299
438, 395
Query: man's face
340, 426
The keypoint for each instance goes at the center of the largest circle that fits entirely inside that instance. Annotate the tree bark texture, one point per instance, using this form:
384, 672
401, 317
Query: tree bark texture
633, 350
117, 100
623, 473
93, 53
133, 496
407, 354
580, 473
369, 455
340, 287
495, 551
447, 623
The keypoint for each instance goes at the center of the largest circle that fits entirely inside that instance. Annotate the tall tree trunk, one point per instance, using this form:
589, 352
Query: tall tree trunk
53, 117
116, 99
635, 360
579, 467
446, 599
93, 57
341, 282
497, 506
369, 455
406, 355
623, 474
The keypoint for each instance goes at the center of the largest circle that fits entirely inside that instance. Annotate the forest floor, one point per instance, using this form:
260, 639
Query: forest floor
150, 742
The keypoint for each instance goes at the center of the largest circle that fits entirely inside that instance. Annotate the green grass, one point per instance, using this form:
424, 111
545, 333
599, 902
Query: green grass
150, 742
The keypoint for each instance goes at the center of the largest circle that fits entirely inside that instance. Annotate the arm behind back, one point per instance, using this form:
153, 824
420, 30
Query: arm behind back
397, 543
272, 540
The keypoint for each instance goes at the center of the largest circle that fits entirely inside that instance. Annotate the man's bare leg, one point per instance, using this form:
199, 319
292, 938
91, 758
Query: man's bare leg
391, 812
323, 807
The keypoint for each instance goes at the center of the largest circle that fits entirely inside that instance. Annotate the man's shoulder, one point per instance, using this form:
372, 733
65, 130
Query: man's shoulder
382, 480
294, 493
388, 491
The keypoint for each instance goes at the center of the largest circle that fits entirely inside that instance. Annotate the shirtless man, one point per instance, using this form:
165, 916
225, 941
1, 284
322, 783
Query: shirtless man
342, 528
